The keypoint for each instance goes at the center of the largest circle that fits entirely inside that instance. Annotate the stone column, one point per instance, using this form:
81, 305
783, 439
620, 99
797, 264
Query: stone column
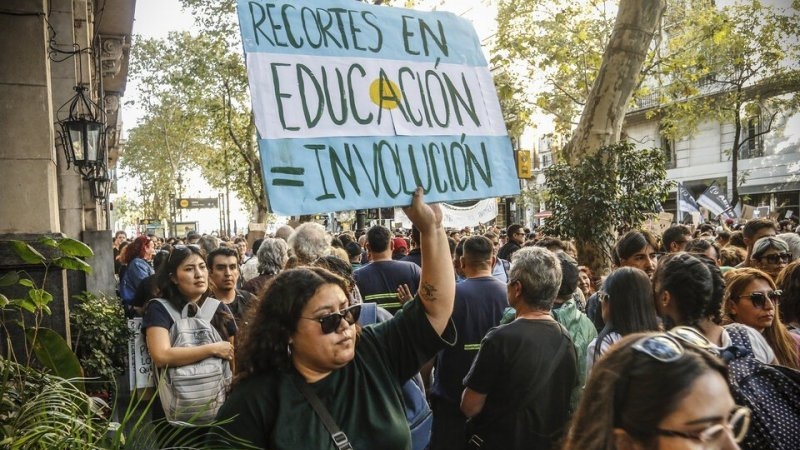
27, 161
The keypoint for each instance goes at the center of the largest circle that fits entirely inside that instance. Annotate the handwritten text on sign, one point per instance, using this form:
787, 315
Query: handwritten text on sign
355, 105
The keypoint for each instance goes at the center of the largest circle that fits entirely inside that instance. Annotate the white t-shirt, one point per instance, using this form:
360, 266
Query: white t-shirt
761, 349
608, 340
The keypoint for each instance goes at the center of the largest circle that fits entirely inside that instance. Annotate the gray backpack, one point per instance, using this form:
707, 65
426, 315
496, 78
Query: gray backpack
193, 393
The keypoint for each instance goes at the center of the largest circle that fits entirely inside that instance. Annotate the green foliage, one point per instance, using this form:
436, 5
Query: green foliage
558, 43
38, 411
100, 337
614, 188
196, 96
49, 348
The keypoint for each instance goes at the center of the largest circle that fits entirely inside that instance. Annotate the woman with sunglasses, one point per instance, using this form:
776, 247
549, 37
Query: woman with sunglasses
751, 299
305, 337
771, 255
626, 301
655, 391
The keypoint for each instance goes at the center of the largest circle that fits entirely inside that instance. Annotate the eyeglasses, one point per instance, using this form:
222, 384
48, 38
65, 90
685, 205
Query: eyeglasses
759, 299
602, 297
776, 258
737, 425
330, 322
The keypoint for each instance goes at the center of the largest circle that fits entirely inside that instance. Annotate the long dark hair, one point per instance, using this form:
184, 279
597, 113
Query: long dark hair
635, 392
631, 307
264, 345
169, 290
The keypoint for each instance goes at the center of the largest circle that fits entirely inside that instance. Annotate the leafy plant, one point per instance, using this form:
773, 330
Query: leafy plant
609, 191
100, 338
50, 349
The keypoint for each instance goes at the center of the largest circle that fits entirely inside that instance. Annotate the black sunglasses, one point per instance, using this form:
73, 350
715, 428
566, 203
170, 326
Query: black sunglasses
776, 258
330, 322
759, 299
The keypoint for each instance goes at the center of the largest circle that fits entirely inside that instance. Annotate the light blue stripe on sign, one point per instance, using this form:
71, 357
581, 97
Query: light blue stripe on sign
346, 28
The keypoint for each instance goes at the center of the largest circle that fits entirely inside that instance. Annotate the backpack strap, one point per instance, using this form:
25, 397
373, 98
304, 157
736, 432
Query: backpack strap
174, 313
209, 308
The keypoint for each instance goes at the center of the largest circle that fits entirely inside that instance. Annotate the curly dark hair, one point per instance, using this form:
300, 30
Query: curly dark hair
263, 348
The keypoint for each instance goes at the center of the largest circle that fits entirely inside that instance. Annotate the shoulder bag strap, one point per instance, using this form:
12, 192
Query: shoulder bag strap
339, 438
552, 368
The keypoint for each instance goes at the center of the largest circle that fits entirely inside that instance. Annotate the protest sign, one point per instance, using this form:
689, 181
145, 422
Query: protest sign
355, 105
140, 365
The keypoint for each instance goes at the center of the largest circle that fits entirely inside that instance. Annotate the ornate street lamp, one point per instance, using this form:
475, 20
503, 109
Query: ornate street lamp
98, 183
83, 133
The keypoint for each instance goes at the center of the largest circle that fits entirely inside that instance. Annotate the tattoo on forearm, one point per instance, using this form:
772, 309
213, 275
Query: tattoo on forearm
429, 291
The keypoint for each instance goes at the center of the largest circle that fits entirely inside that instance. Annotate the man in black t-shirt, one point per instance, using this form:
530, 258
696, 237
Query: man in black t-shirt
479, 304
516, 237
519, 386
223, 276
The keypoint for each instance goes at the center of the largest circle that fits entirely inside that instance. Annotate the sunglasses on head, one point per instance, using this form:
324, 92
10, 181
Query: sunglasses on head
759, 299
330, 322
777, 258
667, 347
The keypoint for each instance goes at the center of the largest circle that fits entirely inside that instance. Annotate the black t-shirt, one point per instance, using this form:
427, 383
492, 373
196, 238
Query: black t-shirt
520, 412
507, 250
364, 397
478, 307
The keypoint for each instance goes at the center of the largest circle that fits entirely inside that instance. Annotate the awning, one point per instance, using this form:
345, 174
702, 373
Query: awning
774, 187
542, 214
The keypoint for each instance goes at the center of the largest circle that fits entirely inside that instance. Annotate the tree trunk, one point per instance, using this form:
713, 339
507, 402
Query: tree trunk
601, 121
602, 117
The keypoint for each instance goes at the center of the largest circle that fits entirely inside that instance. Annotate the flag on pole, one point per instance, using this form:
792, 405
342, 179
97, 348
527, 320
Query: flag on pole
686, 203
716, 202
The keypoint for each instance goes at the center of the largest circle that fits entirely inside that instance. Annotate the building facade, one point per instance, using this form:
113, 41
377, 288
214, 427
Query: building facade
50, 47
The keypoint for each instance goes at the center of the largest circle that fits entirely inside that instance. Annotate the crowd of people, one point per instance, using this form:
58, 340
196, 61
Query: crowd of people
518, 345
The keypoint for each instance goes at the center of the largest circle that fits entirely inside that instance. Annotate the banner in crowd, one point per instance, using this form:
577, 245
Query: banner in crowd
458, 216
355, 105
716, 202
686, 203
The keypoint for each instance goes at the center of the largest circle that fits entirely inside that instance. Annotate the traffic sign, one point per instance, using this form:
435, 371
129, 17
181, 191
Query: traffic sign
190, 203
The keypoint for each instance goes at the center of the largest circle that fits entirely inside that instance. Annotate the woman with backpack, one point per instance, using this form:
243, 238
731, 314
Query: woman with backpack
626, 301
308, 375
656, 391
183, 284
